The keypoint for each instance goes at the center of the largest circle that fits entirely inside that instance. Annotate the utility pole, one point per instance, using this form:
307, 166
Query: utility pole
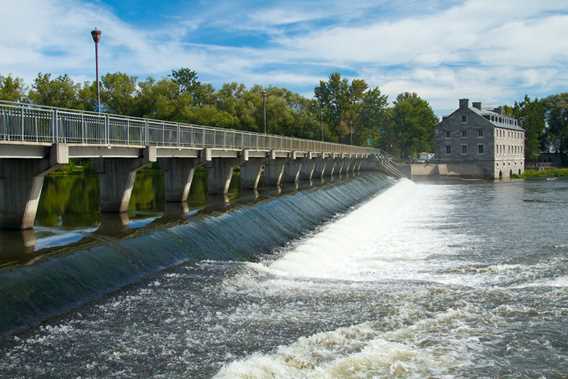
96, 34
264, 97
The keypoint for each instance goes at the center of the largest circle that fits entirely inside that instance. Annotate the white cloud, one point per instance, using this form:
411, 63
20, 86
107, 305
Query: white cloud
493, 51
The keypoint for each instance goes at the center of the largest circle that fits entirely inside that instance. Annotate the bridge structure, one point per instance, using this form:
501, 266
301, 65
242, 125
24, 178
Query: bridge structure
34, 140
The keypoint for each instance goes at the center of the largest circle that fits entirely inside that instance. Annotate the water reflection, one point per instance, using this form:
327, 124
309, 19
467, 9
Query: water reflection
69, 210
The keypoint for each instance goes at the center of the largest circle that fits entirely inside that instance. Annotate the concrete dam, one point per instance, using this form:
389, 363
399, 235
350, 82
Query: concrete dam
320, 180
64, 278
35, 140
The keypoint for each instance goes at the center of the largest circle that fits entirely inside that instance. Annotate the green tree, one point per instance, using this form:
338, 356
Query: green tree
334, 97
531, 114
556, 108
11, 89
373, 118
413, 122
117, 92
58, 92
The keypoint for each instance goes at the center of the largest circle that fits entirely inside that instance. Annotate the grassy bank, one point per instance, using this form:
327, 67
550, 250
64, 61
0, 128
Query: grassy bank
546, 173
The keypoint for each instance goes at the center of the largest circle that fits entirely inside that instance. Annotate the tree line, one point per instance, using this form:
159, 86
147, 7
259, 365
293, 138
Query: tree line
340, 111
545, 122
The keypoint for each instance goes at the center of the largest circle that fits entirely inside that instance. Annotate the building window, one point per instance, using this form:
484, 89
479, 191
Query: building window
464, 119
464, 149
464, 133
448, 149
480, 149
448, 134
480, 132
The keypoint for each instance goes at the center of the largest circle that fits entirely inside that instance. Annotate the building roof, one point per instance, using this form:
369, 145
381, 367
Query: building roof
498, 120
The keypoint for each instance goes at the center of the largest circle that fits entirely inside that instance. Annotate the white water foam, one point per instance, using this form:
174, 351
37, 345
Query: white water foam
363, 351
390, 238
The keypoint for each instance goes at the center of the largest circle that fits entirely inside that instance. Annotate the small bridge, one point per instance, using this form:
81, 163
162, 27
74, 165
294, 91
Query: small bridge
35, 140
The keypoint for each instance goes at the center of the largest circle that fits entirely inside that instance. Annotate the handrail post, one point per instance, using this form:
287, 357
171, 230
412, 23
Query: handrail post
54, 128
36, 132
83, 138
128, 131
178, 134
107, 130
163, 134
22, 122
146, 137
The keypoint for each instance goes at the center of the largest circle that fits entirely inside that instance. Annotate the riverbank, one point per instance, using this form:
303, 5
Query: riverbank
546, 173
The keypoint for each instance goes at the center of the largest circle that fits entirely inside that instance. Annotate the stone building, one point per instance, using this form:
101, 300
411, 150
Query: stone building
476, 142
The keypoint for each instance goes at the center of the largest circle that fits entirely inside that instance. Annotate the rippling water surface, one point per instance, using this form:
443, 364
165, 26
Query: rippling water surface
456, 279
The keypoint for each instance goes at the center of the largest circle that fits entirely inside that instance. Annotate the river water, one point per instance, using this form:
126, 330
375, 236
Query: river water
431, 279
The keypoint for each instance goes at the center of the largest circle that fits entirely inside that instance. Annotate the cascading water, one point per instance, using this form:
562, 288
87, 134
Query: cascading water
32, 293
454, 279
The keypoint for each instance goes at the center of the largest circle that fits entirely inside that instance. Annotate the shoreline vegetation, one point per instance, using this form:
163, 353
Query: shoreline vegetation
555, 172
343, 110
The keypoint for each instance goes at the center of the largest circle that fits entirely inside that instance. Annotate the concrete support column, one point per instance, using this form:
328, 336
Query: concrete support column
273, 172
117, 177
219, 174
251, 171
308, 168
178, 175
320, 168
332, 167
21, 182
347, 165
340, 166
292, 170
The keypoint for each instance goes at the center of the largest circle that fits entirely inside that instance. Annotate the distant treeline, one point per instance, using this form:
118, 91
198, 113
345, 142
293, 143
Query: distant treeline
346, 111
546, 124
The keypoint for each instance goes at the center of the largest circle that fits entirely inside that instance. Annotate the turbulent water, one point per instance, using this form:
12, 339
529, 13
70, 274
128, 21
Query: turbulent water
451, 279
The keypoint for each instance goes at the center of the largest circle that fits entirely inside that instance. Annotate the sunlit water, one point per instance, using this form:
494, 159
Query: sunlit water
424, 280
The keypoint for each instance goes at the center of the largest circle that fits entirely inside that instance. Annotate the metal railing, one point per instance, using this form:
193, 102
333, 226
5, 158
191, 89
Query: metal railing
41, 124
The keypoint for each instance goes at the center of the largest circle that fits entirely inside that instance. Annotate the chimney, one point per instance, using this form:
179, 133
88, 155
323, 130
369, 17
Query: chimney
464, 103
477, 104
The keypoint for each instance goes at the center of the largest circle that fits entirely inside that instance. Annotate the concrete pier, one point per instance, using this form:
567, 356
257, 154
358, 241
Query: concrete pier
273, 172
178, 175
340, 166
332, 167
320, 168
251, 171
219, 174
21, 182
117, 177
292, 170
347, 166
307, 170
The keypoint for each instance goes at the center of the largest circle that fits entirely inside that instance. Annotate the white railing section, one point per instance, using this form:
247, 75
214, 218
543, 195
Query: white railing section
35, 123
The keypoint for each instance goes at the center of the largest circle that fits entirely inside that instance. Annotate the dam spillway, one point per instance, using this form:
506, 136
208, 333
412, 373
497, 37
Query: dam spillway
419, 280
74, 275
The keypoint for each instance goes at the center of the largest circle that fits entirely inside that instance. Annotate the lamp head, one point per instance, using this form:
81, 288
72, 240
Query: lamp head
96, 34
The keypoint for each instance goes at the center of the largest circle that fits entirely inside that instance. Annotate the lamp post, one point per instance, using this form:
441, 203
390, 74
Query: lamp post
96, 34
264, 97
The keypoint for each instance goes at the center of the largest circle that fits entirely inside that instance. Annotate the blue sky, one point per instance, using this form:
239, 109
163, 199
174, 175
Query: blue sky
492, 51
